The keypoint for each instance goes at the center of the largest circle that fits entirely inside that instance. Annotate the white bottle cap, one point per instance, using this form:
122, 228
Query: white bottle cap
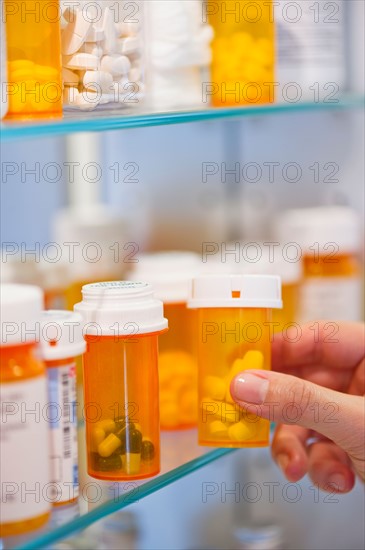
259, 291
96, 233
20, 312
120, 308
170, 273
61, 335
323, 225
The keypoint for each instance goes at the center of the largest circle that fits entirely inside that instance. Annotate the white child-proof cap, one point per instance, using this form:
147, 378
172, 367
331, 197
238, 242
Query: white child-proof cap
259, 291
120, 308
61, 335
20, 313
170, 273
323, 225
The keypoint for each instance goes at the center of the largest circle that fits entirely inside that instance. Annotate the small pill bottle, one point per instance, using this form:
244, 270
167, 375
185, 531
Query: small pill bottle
234, 333
33, 34
61, 342
328, 241
242, 70
170, 273
122, 323
103, 54
24, 430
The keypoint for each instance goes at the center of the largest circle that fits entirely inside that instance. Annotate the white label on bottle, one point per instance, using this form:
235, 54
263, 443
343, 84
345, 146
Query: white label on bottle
63, 424
311, 47
24, 453
333, 299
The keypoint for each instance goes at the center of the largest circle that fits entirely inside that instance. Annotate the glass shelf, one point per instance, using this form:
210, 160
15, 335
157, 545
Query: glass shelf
181, 455
99, 121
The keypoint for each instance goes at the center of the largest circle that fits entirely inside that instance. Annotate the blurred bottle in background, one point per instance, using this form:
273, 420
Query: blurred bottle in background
329, 243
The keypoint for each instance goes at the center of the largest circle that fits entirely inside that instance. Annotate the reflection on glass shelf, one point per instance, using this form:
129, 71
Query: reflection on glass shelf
99, 121
181, 456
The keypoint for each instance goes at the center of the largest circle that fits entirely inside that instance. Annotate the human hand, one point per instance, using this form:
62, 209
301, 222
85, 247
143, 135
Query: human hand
319, 404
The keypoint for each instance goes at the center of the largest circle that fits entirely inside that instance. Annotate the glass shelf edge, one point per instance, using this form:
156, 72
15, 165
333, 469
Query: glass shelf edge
100, 122
111, 506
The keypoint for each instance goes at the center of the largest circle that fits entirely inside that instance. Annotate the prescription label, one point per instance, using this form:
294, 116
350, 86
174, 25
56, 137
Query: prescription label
63, 424
24, 444
333, 299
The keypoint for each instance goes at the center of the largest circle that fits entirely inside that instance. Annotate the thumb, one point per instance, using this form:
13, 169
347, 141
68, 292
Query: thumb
289, 400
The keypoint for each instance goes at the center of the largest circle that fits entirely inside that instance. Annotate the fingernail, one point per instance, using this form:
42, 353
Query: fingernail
282, 461
250, 388
337, 481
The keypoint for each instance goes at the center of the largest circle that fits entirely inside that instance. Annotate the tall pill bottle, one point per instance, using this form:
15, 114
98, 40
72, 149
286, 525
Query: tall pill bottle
328, 240
24, 464
122, 323
33, 34
61, 342
234, 334
103, 54
171, 273
242, 70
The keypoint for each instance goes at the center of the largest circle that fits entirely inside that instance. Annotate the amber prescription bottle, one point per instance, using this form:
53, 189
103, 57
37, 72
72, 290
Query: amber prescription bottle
243, 52
329, 244
234, 334
33, 35
24, 463
61, 342
122, 322
170, 274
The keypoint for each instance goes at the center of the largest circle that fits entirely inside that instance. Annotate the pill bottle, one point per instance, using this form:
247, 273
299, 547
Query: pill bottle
24, 427
3, 67
328, 240
122, 322
243, 48
34, 58
102, 54
170, 273
311, 50
61, 342
179, 53
234, 334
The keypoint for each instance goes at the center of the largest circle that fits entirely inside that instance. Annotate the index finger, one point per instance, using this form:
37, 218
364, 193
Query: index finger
330, 344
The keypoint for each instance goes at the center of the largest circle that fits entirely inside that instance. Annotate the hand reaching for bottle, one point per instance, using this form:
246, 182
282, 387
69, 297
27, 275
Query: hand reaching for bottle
317, 399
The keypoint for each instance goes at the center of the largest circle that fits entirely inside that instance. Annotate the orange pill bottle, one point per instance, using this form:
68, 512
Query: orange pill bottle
61, 342
24, 450
170, 273
234, 334
329, 243
243, 49
122, 323
33, 34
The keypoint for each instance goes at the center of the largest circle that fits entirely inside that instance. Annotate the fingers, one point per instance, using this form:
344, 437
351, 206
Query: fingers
289, 451
288, 400
335, 345
330, 468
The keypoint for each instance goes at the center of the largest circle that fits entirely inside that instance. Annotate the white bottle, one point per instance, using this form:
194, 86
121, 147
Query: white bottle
3, 69
310, 51
179, 53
